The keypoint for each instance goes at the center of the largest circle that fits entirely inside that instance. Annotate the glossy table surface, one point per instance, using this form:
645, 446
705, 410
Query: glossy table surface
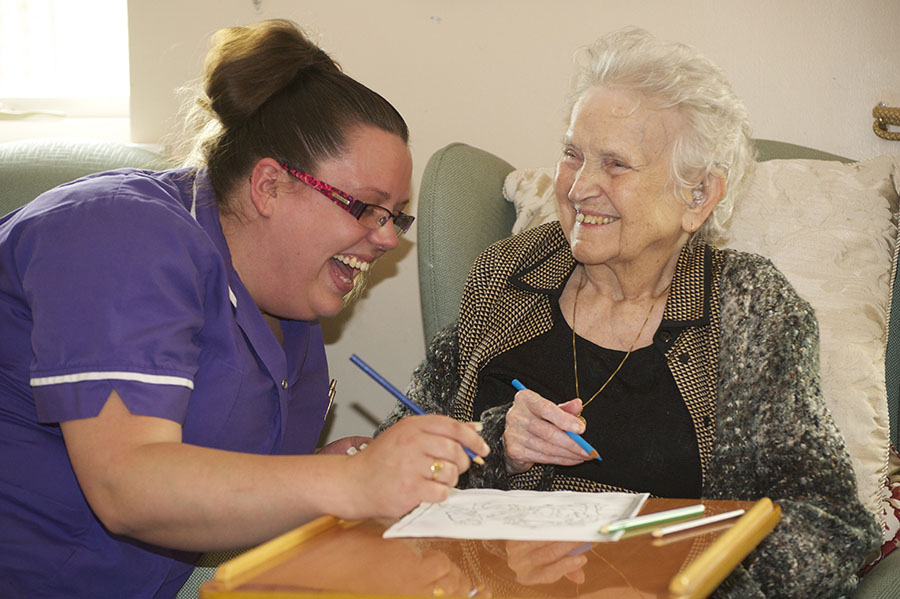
332, 558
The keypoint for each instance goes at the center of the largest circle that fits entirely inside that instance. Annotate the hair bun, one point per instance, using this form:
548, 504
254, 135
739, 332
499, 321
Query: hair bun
269, 92
247, 65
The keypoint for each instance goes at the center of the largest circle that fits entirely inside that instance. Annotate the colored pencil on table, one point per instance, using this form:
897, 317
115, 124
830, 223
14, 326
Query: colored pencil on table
593, 453
667, 530
656, 518
690, 534
403, 398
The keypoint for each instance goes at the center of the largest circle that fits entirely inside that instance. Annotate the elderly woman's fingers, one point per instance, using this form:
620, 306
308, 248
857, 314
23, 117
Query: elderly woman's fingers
522, 451
536, 562
531, 434
564, 416
573, 407
524, 448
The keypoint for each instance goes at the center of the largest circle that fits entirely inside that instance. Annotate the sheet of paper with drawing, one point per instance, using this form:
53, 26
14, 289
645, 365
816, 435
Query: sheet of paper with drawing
519, 515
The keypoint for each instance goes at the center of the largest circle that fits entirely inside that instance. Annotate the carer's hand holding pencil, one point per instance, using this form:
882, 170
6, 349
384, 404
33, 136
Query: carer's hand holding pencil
415, 409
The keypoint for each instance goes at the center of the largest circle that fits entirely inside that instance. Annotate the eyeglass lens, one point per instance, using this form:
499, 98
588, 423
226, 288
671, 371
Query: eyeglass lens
374, 217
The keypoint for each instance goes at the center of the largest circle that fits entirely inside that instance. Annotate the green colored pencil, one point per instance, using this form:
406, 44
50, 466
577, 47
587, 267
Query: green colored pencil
656, 518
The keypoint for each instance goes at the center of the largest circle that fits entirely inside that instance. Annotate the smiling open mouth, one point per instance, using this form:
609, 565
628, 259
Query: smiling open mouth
594, 220
348, 264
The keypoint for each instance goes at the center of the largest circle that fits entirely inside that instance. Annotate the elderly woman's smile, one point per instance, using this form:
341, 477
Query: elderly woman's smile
593, 219
615, 171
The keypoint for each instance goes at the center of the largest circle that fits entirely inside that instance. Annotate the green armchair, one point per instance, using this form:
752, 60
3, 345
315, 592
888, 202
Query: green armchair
31, 167
462, 210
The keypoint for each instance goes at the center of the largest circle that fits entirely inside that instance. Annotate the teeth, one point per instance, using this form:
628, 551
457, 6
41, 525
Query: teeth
353, 262
580, 217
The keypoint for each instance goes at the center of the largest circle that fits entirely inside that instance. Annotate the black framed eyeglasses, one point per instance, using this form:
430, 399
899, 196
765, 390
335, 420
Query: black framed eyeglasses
371, 216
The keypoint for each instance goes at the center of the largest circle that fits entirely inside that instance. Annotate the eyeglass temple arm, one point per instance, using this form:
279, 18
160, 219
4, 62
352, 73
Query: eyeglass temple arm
355, 208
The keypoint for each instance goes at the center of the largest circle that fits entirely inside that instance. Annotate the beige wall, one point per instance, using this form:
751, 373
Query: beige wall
493, 74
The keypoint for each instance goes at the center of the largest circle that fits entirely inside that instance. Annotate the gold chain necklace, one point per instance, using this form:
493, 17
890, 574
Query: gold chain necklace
619, 367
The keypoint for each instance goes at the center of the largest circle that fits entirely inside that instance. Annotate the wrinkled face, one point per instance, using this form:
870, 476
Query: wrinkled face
615, 199
319, 247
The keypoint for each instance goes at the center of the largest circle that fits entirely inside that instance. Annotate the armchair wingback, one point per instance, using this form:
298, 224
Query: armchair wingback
461, 211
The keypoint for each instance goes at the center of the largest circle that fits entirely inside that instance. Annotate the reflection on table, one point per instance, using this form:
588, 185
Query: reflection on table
333, 558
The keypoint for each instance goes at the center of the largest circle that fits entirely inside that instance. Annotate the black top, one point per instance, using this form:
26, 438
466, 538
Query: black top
639, 423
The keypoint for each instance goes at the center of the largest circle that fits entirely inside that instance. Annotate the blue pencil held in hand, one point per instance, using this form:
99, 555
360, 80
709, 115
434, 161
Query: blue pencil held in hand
402, 398
575, 436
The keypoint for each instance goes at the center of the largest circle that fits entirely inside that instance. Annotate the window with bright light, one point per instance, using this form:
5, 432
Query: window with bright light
64, 56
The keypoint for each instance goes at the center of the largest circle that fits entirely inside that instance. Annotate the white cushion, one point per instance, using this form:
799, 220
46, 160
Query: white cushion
830, 228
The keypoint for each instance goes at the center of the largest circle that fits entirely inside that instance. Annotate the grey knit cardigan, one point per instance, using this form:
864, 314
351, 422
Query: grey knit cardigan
743, 350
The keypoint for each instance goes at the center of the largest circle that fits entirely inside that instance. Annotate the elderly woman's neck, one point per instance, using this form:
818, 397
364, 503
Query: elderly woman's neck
615, 309
626, 282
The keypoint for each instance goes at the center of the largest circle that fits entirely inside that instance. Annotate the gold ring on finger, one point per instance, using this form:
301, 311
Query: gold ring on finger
436, 467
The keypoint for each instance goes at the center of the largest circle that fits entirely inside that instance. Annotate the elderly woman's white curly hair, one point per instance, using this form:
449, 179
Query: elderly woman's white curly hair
716, 136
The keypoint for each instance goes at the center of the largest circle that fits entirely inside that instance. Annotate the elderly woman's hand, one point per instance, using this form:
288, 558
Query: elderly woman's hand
535, 433
545, 562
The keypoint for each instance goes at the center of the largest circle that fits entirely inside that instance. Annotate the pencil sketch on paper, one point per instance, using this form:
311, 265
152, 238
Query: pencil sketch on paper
519, 515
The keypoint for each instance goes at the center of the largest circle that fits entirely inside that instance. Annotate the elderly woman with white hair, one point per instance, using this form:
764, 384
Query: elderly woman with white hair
692, 370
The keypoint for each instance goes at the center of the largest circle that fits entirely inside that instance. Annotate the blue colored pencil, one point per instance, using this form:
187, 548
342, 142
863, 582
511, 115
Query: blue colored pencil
575, 436
403, 398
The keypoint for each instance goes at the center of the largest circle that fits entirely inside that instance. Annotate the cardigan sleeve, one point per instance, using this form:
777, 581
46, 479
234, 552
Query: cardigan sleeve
434, 387
776, 438
434, 382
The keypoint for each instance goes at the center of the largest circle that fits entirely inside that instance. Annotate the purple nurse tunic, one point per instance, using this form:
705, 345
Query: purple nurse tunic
123, 281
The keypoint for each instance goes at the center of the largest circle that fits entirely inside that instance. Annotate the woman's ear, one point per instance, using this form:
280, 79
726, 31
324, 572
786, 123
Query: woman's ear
704, 198
264, 186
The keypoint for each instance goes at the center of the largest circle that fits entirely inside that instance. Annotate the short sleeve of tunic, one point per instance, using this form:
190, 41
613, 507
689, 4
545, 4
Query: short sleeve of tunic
115, 272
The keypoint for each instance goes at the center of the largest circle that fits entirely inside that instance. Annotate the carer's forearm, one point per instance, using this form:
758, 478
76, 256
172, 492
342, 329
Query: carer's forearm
194, 498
